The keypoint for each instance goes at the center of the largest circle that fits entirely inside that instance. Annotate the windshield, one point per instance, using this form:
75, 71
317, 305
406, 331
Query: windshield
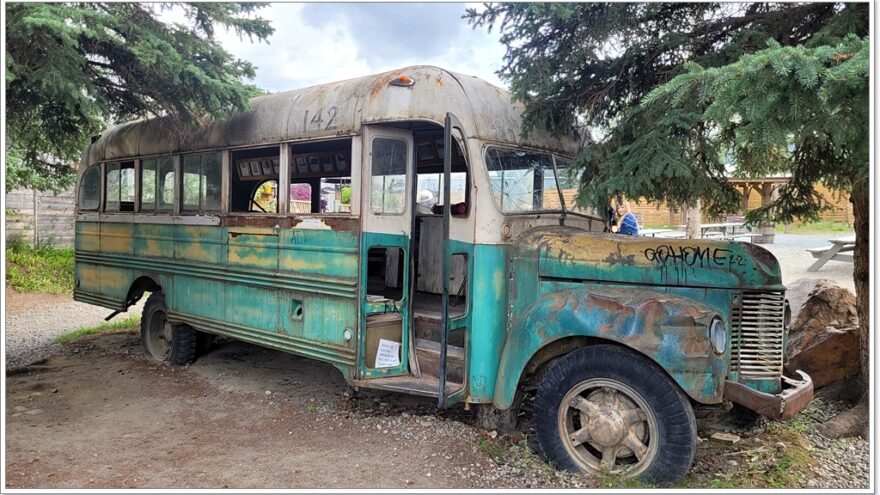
524, 181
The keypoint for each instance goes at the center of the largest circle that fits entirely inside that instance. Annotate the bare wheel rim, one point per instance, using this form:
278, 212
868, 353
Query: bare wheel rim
159, 335
606, 426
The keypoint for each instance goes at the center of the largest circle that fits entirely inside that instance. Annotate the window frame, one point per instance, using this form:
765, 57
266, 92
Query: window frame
130, 164
160, 161
96, 167
553, 156
180, 169
406, 177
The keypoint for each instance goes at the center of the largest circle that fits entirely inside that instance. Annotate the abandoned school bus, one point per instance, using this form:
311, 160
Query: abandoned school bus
401, 228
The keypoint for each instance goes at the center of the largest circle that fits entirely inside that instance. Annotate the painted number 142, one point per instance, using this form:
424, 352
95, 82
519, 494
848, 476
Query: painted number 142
318, 118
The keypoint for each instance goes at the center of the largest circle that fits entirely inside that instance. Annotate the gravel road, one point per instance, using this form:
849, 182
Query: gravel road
32, 321
790, 250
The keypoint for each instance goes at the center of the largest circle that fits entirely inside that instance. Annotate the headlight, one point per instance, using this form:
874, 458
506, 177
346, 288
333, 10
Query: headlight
718, 336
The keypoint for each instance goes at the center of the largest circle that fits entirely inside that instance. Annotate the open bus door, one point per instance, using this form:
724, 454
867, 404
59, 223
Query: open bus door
451, 124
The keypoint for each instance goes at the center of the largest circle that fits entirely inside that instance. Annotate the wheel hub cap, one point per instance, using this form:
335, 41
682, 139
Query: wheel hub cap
607, 427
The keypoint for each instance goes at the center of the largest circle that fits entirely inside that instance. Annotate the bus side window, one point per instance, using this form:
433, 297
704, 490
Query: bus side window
157, 184
201, 182
148, 185
165, 185
253, 180
388, 188
320, 177
90, 189
119, 180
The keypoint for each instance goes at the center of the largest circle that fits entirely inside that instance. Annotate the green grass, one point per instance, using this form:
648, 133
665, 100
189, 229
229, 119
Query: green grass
823, 226
42, 269
493, 448
109, 326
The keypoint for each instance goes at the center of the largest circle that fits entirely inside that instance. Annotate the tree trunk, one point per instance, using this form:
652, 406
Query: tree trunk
694, 219
861, 272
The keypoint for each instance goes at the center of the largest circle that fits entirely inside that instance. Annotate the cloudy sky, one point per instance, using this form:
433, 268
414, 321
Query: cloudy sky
317, 43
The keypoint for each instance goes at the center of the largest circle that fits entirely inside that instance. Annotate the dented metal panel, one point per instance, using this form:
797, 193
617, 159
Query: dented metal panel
670, 330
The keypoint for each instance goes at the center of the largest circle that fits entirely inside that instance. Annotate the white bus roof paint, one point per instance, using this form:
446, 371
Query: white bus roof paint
486, 112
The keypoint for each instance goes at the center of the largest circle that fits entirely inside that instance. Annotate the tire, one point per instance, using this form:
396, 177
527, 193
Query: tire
625, 404
162, 341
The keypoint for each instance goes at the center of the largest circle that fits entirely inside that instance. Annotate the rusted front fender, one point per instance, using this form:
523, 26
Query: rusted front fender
670, 330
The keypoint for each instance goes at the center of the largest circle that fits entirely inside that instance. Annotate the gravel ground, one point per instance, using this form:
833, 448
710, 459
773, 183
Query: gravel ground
33, 321
790, 250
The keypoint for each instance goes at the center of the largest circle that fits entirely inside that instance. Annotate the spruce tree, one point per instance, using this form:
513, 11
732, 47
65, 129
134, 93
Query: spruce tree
74, 68
674, 89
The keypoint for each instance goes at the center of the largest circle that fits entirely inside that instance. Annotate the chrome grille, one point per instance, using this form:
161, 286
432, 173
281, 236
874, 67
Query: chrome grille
757, 330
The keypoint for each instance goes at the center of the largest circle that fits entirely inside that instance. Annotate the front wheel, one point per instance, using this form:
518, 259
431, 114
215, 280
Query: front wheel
606, 409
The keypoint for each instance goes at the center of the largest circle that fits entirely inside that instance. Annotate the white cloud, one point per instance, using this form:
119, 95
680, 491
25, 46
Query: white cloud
321, 43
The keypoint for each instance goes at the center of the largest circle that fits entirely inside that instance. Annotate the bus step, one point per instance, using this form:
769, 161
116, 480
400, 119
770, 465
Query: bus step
428, 353
426, 386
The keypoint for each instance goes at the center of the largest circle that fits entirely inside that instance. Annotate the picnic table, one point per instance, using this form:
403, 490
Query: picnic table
833, 252
654, 232
724, 231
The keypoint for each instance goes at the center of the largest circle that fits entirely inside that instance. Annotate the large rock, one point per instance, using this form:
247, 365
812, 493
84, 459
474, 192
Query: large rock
823, 339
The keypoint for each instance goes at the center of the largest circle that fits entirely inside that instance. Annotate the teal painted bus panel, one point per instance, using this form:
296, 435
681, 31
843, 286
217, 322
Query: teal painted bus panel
87, 236
197, 297
250, 306
319, 252
669, 330
117, 238
488, 312
252, 248
154, 240
200, 244
326, 318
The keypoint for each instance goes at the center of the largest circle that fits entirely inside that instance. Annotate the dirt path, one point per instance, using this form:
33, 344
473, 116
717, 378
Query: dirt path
97, 414
102, 416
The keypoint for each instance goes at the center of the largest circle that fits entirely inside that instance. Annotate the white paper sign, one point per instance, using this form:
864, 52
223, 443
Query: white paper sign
388, 354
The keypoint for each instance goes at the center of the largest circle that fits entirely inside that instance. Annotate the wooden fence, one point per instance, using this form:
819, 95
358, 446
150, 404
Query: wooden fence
40, 217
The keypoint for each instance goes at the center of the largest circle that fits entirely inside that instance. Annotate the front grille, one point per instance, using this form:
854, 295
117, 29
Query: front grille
757, 330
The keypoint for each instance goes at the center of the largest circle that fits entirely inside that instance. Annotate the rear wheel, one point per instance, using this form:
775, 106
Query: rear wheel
161, 340
609, 410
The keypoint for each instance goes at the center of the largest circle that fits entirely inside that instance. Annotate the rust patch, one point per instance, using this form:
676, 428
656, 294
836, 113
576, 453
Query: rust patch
608, 304
381, 83
691, 346
784, 405
348, 224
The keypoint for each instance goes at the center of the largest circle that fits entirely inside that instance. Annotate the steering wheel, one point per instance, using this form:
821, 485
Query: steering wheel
258, 206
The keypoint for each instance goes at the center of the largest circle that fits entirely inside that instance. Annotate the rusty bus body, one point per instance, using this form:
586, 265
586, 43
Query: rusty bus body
357, 259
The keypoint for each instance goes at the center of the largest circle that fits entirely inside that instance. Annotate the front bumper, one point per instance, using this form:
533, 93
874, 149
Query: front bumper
792, 400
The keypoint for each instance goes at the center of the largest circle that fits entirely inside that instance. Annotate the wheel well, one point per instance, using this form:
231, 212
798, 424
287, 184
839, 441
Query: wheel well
546, 356
138, 287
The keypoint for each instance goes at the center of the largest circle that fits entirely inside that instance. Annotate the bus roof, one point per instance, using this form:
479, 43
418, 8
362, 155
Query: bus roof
338, 109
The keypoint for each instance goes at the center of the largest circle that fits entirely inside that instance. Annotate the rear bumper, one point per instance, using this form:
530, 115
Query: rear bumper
792, 400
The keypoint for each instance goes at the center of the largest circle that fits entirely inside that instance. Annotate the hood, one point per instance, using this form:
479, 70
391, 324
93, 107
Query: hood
568, 253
